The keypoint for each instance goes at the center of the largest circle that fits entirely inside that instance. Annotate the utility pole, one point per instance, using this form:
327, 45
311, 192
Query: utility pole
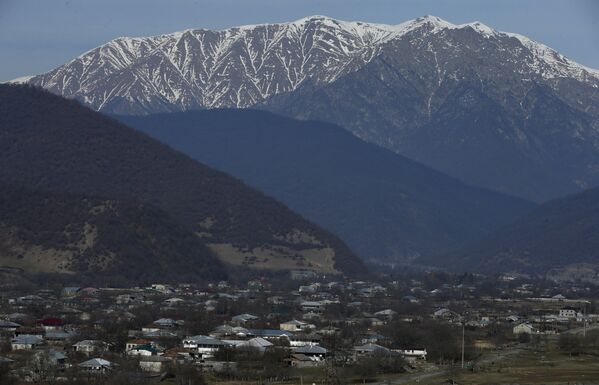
463, 331
584, 321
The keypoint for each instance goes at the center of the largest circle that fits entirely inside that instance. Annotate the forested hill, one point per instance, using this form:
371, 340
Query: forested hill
556, 234
101, 241
50, 143
383, 205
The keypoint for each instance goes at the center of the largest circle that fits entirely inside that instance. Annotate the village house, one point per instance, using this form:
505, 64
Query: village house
312, 306
97, 365
568, 312
369, 350
26, 342
143, 351
311, 316
297, 360
59, 338
373, 338
329, 330
171, 302
413, 354
155, 364
51, 324
244, 318
257, 344
19, 318
315, 353
70, 291
89, 291
160, 334
524, 328
132, 344
386, 314
34, 331
161, 324
308, 289
89, 347
447, 315
204, 345
167, 323
130, 299
162, 288
8, 327
296, 326
304, 340
271, 334
30, 299
54, 357
229, 331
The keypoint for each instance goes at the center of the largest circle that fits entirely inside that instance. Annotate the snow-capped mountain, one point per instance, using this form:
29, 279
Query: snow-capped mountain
236, 67
243, 66
494, 109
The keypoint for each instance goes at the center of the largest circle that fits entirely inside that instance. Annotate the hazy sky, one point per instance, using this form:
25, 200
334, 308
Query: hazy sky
38, 35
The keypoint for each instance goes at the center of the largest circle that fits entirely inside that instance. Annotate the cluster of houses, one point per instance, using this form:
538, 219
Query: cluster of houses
68, 329
556, 322
553, 314
73, 328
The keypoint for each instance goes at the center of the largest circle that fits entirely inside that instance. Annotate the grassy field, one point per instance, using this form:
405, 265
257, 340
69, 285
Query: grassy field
531, 367
523, 366
321, 260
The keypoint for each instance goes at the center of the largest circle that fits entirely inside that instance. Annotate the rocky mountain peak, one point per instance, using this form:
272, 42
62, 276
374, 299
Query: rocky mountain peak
243, 66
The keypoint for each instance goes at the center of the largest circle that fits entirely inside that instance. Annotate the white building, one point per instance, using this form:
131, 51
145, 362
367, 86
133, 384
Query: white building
204, 345
568, 312
154, 364
244, 318
413, 354
298, 340
257, 344
524, 328
97, 365
25, 342
90, 346
386, 314
296, 326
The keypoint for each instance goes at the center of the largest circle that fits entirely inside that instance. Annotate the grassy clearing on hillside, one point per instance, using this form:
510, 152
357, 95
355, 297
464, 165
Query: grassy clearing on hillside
320, 260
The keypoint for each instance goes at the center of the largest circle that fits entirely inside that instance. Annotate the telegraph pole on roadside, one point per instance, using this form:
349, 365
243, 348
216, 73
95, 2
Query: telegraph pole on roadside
584, 321
463, 331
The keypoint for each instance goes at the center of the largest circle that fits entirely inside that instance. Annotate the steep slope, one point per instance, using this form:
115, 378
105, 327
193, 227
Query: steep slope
202, 68
99, 240
493, 109
381, 204
47, 142
241, 66
554, 235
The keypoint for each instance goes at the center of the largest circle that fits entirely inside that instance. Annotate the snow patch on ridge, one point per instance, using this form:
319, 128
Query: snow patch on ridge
242, 66
20, 80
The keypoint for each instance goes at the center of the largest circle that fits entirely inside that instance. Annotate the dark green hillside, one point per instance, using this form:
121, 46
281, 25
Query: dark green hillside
469, 105
100, 240
50, 143
381, 204
556, 234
